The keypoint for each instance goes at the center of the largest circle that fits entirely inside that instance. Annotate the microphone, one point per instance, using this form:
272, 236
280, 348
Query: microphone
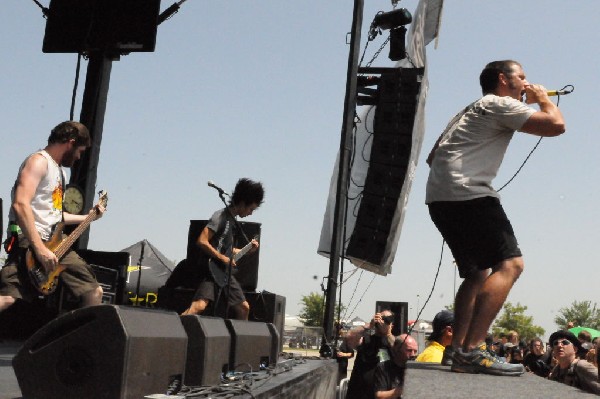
219, 189
558, 92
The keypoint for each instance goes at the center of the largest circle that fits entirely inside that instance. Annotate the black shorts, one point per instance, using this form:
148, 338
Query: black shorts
477, 231
210, 291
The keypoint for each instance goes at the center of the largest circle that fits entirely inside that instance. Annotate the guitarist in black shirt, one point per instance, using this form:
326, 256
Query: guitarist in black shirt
216, 241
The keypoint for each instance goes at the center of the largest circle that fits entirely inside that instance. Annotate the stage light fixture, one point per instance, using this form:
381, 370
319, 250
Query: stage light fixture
392, 19
395, 21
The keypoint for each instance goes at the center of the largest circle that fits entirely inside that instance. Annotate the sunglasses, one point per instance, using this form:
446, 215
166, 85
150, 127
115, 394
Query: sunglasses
564, 342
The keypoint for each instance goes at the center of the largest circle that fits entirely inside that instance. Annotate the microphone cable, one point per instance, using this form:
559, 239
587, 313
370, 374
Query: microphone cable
500, 189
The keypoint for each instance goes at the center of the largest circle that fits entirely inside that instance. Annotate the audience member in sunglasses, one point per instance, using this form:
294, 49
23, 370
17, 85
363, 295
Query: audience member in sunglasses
570, 369
373, 345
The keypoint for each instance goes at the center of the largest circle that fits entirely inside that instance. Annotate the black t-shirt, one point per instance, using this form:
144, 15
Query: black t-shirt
388, 375
371, 352
539, 365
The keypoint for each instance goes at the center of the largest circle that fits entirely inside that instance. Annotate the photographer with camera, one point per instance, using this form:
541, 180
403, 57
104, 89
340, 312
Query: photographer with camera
373, 346
538, 359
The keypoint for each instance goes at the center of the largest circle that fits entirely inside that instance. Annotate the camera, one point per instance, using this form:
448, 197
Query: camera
388, 319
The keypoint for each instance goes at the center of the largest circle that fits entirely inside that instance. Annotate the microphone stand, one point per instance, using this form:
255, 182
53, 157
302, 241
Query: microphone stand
137, 289
230, 265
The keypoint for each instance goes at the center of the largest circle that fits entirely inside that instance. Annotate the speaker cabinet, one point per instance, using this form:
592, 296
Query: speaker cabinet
400, 310
246, 271
209, 344
123, 26
268, 308
388, 164
103, 352
251, 345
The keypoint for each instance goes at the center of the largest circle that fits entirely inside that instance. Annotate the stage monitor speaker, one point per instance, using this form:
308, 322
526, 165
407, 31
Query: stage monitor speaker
400, 310
267, 307
103, 351
83, 26
246, 272
251, 345
209, 344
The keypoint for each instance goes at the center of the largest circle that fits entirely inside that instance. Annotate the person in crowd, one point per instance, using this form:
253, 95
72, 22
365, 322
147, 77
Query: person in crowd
35, 213
216, 242
343, 353
439, 339
373, 347
570, 369
467, 210
389, 375
538, 360
586, 343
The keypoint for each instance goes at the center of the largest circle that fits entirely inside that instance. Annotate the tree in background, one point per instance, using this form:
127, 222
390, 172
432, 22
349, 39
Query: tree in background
582, 314
514, 318
312, 311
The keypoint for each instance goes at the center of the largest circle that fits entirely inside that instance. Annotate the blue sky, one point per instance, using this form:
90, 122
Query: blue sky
256, 89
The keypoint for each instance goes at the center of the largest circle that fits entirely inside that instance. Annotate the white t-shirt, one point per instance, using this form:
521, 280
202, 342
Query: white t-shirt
472, 148
47, 200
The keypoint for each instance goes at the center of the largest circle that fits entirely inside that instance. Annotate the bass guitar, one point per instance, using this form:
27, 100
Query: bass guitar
218, 269
43, 281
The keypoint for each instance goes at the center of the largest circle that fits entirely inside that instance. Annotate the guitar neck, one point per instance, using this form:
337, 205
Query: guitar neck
66, 244
243, 251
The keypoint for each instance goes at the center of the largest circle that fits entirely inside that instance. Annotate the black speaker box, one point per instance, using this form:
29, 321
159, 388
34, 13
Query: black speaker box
267, 307
110, 269
400, 310
251, 345
246, 271
103, 351
123, 26
209, 343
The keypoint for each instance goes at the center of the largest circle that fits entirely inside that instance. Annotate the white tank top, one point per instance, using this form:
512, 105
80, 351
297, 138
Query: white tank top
48, 198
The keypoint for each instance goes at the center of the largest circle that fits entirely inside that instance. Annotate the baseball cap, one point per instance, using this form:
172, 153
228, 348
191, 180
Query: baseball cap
440, 321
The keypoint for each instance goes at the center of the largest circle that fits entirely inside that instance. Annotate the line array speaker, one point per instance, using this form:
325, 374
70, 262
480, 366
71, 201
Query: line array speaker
396, 100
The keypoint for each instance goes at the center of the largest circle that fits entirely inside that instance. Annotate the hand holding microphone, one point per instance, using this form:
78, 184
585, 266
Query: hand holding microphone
534, 93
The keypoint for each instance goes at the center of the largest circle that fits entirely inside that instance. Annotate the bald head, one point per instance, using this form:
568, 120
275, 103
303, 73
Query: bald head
405, 349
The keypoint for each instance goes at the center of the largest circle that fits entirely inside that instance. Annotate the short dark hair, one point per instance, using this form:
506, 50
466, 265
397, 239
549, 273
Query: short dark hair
70, 130
248, 192
488, 79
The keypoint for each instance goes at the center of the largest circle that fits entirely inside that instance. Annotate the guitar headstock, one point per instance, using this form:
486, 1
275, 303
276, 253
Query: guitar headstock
102, 198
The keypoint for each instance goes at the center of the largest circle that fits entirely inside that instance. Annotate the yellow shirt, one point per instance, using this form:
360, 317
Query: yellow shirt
432, 354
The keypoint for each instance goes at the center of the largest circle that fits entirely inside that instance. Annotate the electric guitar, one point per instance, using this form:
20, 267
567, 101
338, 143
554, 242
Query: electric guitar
43, 281
219, 271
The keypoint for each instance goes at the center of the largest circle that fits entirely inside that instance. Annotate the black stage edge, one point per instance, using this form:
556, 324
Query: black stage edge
304, 380
433, 381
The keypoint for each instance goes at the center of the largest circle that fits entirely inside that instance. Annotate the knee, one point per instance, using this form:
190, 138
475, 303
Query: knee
197, 307
245, 306
6, 302
515, 266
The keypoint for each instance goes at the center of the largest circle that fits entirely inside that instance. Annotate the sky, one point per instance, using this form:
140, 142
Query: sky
256, 89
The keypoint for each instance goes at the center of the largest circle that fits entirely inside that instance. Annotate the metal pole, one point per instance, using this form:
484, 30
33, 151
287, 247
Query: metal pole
93, 108
343, 171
